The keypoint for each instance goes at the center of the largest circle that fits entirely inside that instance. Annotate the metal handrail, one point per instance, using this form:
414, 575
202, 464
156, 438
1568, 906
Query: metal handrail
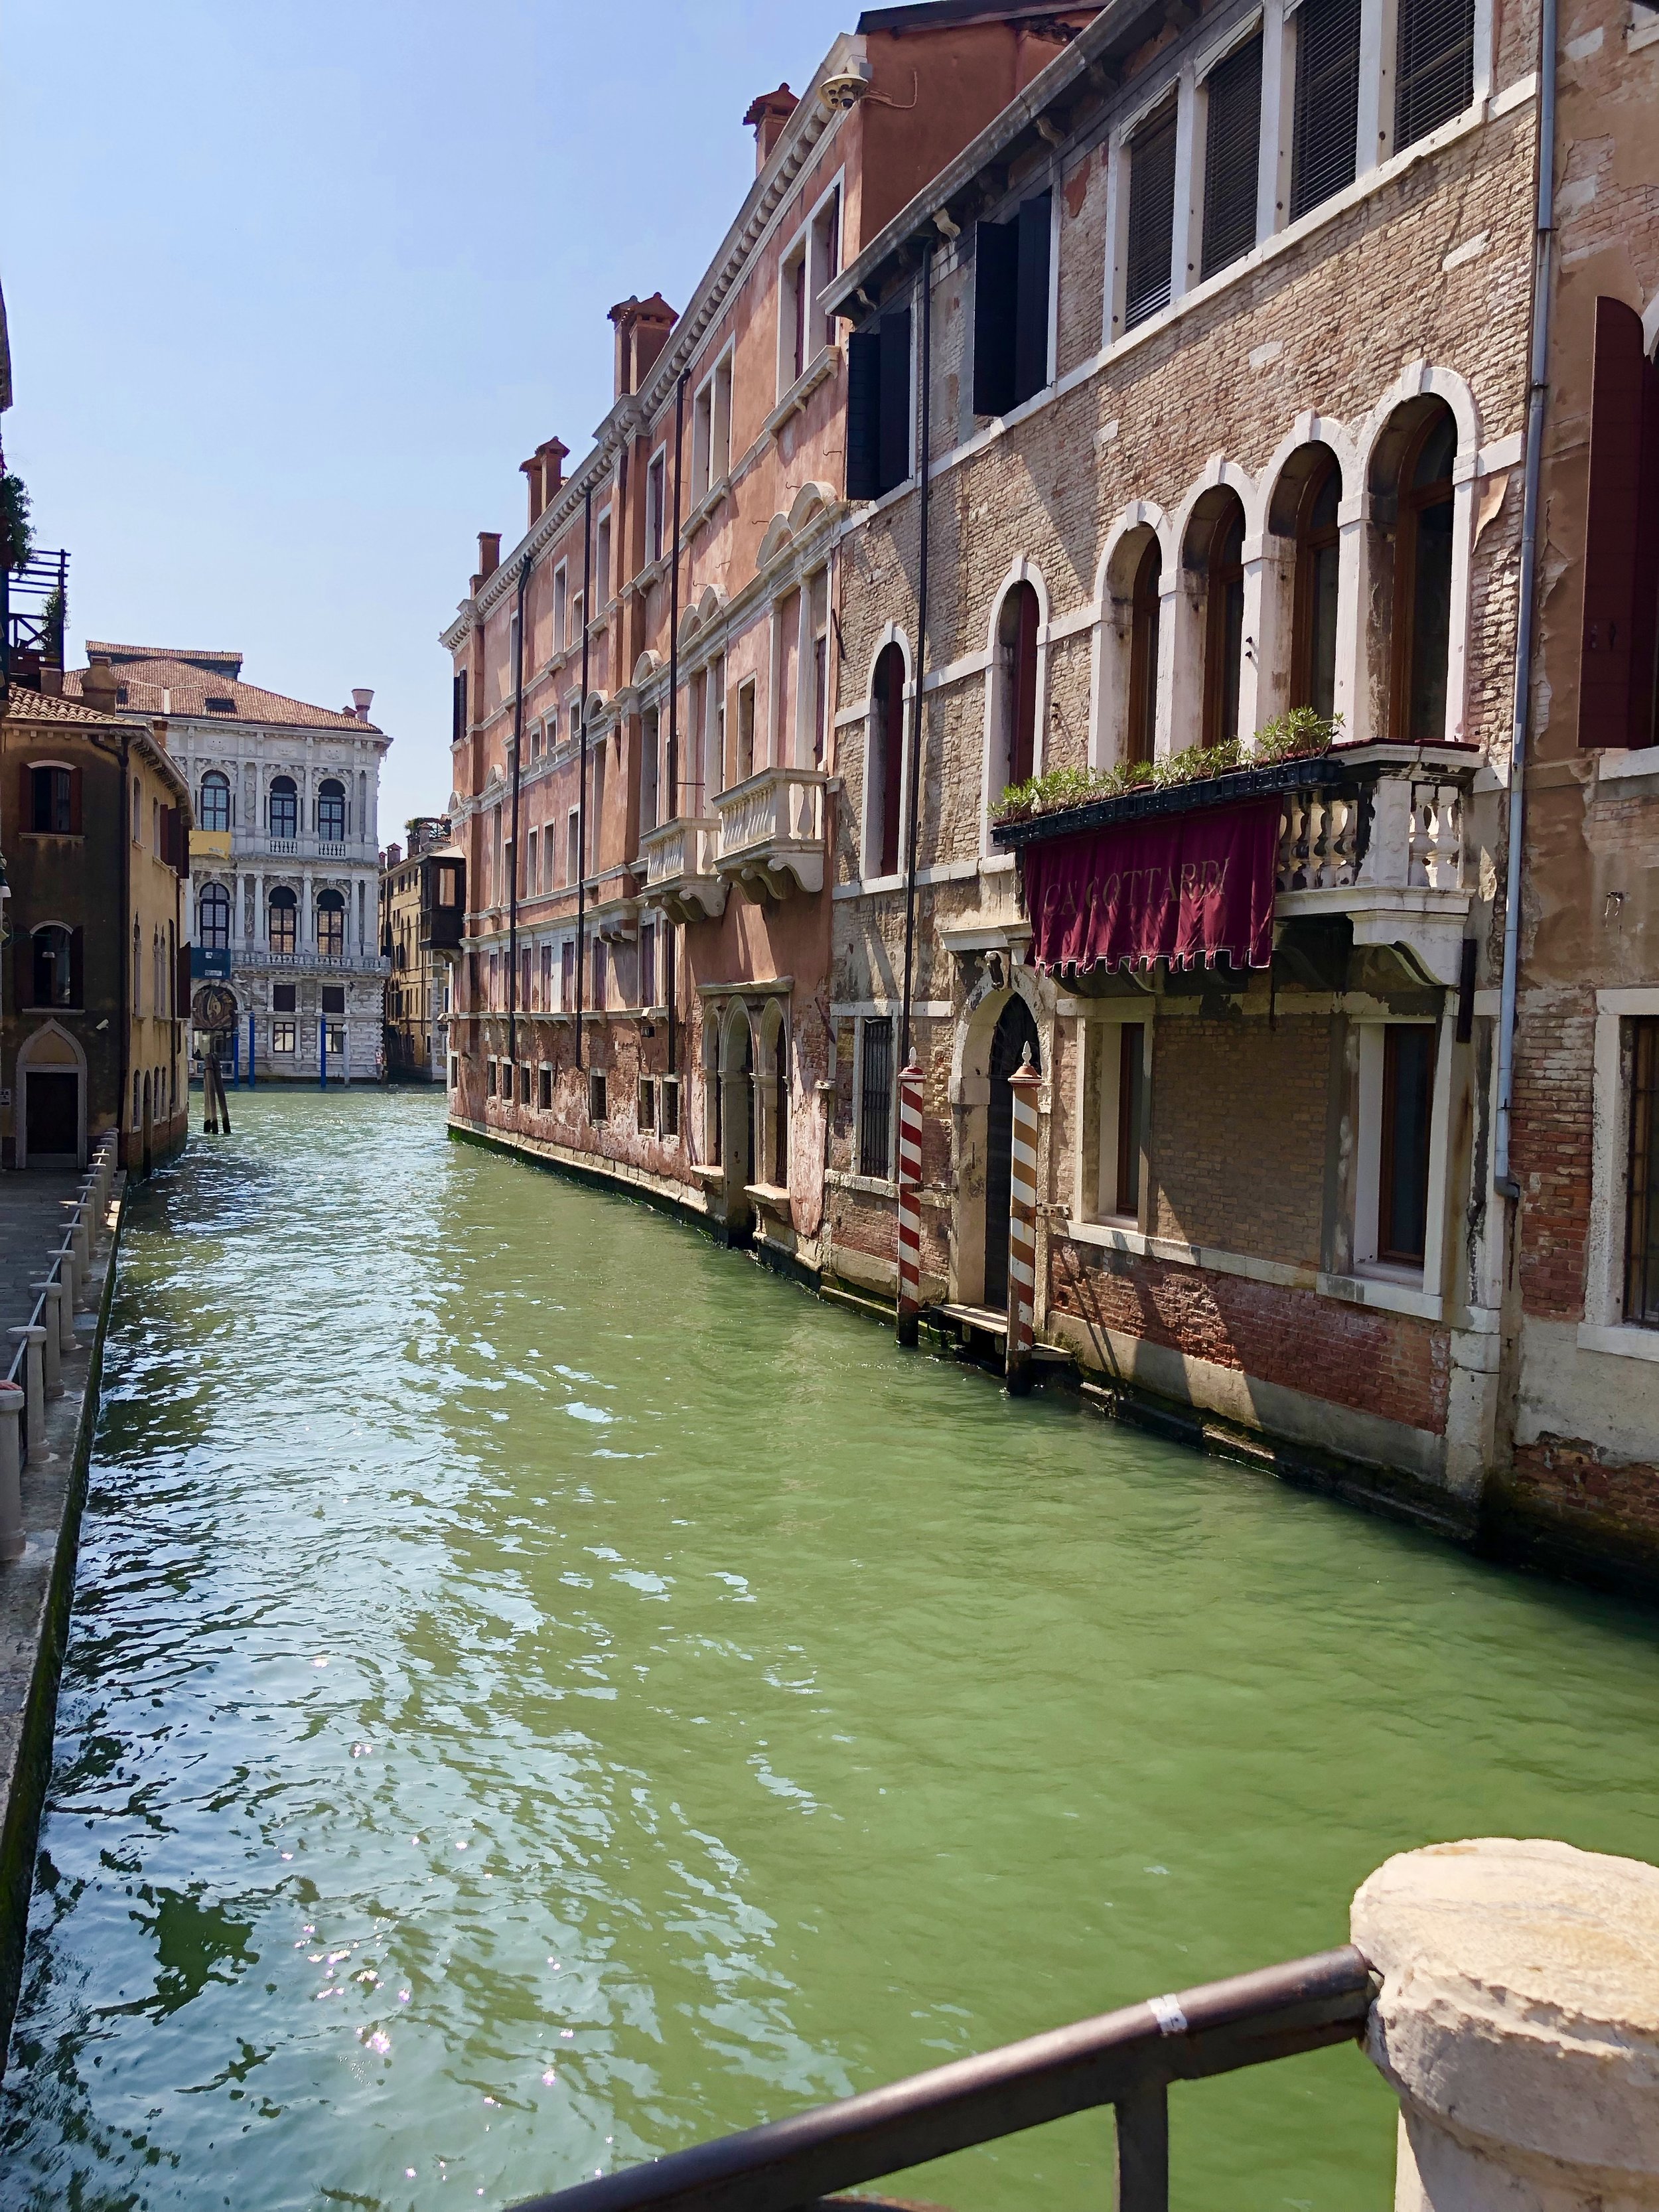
54, 1274
1126, 2058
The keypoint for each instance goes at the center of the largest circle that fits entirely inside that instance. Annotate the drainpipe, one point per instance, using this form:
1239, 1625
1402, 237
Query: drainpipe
672, 946
518, 779
125, 820
581, 771
1503, 1181
921, 649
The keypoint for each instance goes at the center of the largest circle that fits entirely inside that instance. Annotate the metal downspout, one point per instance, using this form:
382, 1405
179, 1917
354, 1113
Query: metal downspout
125, 820
581, 772
1503, 1181
517, 778
671, 946
921, 649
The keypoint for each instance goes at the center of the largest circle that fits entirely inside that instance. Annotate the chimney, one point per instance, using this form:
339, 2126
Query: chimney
391, 855
362, 700
98, 693
767, 117
642, 329
530, 471
489, 554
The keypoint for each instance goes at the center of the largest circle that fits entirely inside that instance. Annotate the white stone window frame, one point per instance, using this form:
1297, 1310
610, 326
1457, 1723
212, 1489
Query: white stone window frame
1604, 1327
869, 828
1021, 570
708, 479
1098, 1026
1369, 1024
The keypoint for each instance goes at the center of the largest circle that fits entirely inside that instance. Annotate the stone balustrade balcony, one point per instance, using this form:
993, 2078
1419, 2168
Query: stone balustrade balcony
678, 861
771, 833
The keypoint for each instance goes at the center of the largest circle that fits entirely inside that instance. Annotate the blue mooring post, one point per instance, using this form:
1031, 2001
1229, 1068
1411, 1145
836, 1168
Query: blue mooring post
249, 1052
235, 1056
322, 1055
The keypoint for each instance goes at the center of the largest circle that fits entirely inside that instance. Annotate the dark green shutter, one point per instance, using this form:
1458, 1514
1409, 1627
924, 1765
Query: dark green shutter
1031, 297
995, 267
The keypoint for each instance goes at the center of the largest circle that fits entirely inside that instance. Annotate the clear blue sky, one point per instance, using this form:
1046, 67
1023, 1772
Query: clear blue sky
293, 289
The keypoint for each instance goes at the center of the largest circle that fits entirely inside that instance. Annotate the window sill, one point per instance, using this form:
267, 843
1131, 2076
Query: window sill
1393, 1292
1622, 1340
823, 365
705, 507
869, 1185
55, 1011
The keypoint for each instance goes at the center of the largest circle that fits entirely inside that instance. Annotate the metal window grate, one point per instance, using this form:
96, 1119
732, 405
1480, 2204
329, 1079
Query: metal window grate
1326, 122
1641, 1182
876, 1098
1151, 219
1232, 156
1434, 66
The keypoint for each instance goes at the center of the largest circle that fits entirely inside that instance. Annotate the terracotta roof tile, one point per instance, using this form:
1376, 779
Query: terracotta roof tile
191, 683
25, 705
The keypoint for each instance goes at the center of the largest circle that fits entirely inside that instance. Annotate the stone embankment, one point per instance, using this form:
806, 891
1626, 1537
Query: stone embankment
59, 1235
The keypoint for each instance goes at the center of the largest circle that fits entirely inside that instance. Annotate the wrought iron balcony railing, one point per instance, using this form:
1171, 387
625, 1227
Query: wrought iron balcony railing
1127, 2059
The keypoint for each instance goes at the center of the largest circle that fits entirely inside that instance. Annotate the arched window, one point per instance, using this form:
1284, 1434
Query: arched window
54, 979
1016, 659
1313, 615
213, 808
282, 915
1140, 721
886, 757
331, 924
213, 918
284, 807
1422, 581
1216, 548
331, 810
137, 969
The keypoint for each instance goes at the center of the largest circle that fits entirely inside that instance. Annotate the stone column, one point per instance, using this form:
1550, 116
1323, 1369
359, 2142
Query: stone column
13, 1541
52, 1332
32, 1337
1518, 2024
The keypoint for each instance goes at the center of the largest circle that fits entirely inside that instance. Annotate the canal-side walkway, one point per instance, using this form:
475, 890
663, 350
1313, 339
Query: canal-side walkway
35, 1591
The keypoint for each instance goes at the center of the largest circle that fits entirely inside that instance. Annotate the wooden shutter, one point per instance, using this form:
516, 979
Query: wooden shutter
75, 802
1434, 66
1031, 297
24, 796
1606, 686
78, 967
1325, 129
895, 431
996, 254
1232, 152
1150, 241
23, 967
863, 415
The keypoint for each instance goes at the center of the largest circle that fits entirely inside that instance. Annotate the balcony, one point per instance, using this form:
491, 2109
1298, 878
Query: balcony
680, 875
771, 833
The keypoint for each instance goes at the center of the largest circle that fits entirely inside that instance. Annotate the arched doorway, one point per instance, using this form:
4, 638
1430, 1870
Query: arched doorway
1015, 1033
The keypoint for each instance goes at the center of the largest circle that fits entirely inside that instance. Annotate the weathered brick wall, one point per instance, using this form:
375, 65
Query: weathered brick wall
1550, 1149
1377, 1363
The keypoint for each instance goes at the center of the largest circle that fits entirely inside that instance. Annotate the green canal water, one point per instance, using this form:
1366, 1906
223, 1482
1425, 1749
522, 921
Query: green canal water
542, 1690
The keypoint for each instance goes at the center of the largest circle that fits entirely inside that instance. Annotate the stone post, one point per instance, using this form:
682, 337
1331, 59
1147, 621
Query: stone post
51, 1330
1518, 2024
32, 1337
1025, 1084
68, 1276
909, 1203
13, 1542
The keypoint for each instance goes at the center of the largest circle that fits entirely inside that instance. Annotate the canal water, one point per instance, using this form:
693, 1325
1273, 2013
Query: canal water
542, 1690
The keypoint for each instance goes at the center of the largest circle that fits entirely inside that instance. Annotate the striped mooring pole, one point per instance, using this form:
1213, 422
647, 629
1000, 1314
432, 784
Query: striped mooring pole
909, 1202
1024, 1084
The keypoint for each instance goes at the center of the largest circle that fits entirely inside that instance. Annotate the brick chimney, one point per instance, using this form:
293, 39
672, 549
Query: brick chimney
642, 327
97, 692
490, 557
545, 472
767, 117
362, 700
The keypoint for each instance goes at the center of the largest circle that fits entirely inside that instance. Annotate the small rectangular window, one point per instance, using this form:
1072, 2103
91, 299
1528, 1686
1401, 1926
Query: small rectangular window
879, 407
567, 977
1434, 66
335, 1041
281, 1037
648, 963
454, 1071
668, 1096
1642, 1179
1402, 1212
596, 1097
1149, 246
875, 1097
51, 804
334, 998
283, 998
647, 1106
1233, 156
544, 1087
656, 507
1326, 117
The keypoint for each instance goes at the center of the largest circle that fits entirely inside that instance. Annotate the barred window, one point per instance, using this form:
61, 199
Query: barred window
1434, 66
1325, 129
1151, 241
876, 1098
1232, 155
1642, 1182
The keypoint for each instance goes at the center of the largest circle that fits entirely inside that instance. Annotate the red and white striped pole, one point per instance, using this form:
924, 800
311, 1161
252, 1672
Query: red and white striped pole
1025, 1084
909, 1203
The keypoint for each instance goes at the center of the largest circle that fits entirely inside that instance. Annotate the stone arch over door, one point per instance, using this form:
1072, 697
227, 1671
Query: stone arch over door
52, 1063
1013, 1040
999, 985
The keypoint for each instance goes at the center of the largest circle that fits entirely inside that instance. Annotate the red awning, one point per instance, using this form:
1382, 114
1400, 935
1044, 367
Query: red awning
1182, 888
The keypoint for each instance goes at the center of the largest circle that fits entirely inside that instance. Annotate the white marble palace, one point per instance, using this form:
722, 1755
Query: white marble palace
285, 855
